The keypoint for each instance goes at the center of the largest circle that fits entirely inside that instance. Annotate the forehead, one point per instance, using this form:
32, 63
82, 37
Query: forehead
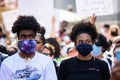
46, 50
83, 36
114, 29
37, 37
26, 32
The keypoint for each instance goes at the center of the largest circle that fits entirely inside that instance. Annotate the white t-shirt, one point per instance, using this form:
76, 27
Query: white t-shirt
40, 67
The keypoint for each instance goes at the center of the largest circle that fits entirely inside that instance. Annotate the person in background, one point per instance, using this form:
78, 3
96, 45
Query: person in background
40, 39
115, 44
52, 49
27, 64
114, 32
63, 27
105, 31
84, 66
66, 44
116, 52
116, 40
49, 50
100, 48
3, 53
11, 50
116, 71
57, 54
70, 8
2, 37
71, 52
56, 45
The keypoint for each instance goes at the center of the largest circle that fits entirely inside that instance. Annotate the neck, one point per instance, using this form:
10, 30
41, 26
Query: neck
100, 56
88, 57
26, 56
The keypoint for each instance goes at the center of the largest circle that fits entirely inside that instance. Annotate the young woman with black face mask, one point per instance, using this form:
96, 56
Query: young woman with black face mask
114, 32
84, 66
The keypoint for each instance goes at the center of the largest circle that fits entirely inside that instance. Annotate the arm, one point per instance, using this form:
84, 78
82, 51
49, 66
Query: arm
93, 19
52, 33
50, 73
62, 72
105, 71
115, 75
5, 73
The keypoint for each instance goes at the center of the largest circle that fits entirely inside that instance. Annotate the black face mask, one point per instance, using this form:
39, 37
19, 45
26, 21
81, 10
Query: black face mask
114, 34
84, 49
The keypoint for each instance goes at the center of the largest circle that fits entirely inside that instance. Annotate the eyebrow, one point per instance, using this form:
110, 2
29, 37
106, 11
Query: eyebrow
85, 40
23, 35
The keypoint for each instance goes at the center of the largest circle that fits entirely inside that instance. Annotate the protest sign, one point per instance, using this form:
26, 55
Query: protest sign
42, 10
98, 7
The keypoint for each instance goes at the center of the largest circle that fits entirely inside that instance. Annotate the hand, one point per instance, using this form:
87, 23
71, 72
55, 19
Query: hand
53, 20
115, 75
93, 19
34, 77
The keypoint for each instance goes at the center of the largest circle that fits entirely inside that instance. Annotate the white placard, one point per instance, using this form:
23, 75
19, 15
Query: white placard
9, 18
42, 10
98, 7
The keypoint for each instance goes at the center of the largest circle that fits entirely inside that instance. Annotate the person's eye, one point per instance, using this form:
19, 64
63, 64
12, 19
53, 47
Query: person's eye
79, 42
32, 36
88, 41
23, 37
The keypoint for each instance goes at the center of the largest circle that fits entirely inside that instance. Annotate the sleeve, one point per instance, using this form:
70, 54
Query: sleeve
5, 73
105, 71
50, 73
62, 72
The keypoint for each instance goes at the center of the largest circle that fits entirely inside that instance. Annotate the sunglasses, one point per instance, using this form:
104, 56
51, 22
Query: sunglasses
49, 46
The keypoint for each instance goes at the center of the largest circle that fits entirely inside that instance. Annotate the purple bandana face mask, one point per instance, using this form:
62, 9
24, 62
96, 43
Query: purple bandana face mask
27, 46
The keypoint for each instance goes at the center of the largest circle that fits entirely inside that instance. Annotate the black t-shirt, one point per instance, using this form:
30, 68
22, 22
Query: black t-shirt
75, 69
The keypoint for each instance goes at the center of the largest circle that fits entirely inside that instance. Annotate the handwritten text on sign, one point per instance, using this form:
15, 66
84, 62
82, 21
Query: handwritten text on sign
89, 7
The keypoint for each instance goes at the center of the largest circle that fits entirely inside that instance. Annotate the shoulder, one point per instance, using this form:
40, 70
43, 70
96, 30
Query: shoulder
68, 60
10, 58
101, 62
43, 58
9, 61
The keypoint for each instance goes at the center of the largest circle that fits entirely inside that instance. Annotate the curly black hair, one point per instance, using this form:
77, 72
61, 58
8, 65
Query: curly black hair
25, 23
83, 27
102, 41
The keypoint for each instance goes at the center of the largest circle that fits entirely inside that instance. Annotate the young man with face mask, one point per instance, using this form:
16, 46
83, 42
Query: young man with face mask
27, 64
84, 66
100, 48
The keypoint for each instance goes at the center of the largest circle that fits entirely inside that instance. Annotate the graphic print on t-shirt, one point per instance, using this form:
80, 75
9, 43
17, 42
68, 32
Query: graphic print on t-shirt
28, 73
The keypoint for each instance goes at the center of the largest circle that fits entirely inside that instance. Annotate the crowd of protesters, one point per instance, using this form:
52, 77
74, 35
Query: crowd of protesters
82, 54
